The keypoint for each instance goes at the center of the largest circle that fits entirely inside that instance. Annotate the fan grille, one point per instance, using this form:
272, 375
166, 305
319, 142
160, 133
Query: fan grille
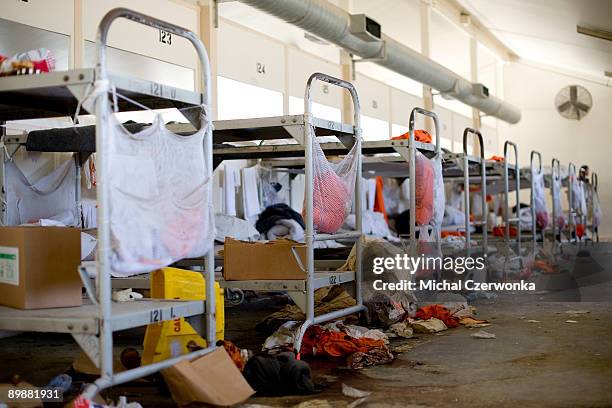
573, 102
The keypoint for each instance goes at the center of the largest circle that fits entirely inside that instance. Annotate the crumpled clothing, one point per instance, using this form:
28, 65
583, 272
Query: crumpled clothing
279, 375
286, 229
379, 200
327, 299
420, 135
236, 354
272, 214
496, 158
330, 343
376, 356
439, 312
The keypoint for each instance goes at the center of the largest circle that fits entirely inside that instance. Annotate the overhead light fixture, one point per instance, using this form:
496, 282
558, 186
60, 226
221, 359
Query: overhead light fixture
595, 32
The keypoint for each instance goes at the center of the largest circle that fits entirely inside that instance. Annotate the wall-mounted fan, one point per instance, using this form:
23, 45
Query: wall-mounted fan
573, 102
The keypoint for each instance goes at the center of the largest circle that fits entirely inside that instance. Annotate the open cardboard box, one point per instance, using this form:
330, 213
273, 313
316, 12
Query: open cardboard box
280, 259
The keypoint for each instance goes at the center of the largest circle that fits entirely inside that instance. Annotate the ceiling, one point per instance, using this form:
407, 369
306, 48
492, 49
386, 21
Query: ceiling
544, 31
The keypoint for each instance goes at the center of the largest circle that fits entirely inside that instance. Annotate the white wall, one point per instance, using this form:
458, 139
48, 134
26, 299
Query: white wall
588, 141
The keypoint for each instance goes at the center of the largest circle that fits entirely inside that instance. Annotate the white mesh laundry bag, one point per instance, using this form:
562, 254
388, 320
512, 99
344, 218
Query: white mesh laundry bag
556, 201
160, 209
333, 187
579, 199
539, 198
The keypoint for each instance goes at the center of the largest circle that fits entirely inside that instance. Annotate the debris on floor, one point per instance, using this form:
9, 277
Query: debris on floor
401, 329
210, 379
481, 334
431, 325
571, 321
354, 392
533, 321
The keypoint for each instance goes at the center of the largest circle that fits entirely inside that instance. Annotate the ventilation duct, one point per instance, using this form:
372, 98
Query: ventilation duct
324, 20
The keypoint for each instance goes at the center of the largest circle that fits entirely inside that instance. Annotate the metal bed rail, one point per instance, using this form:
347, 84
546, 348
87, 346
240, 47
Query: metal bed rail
310, 237
594, 192
466, 190
104, 286
507, 219
412, 172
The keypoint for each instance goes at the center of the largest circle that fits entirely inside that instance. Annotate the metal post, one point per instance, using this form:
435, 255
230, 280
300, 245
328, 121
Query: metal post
555, 177
309, 139
507, 218
534, 154
483, 180
594, 186
571, 174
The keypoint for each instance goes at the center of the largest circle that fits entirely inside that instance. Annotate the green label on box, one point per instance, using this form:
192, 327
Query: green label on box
9, 265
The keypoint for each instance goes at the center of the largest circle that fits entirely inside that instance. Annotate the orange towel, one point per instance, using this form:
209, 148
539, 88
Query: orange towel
419, 136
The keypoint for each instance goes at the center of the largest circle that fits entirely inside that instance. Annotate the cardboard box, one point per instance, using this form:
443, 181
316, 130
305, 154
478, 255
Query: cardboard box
211, 379
38, 267
263, 260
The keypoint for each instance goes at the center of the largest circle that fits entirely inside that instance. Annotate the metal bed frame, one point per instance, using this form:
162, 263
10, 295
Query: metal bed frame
92, 325
302, 129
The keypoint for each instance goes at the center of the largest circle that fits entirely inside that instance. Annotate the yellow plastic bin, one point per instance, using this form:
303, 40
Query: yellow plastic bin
170, 338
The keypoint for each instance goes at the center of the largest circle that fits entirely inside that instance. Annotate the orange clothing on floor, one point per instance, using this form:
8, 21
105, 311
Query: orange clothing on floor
439, 312
335, 344
379, 199
445, 234
496, 158
420, 135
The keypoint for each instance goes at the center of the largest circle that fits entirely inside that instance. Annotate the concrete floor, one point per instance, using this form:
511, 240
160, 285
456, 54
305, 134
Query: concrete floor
550, 363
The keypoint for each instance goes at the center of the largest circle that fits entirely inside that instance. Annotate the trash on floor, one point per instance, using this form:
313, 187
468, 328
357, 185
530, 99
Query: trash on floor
401, 329
481, 334
471, 322
577, 312
432, 325
327, 299
210, 379
349, 391
571, 321
439, 312
533, 321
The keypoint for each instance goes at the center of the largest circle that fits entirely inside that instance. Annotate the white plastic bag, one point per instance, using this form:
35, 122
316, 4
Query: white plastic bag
333, 187
539, 198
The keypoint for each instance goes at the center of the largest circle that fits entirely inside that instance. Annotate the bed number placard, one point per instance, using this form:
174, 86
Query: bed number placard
165, 37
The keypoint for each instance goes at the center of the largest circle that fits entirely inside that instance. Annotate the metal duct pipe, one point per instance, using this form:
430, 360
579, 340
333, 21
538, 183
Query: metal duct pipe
331, 23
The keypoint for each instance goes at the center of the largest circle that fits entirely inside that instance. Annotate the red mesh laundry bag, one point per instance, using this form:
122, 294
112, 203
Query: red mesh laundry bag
333, 187
424, 190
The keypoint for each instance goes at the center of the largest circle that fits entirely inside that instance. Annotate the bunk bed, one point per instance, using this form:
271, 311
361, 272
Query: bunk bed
302, 129
59, 94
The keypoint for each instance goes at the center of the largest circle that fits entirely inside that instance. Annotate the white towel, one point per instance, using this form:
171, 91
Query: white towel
250, 196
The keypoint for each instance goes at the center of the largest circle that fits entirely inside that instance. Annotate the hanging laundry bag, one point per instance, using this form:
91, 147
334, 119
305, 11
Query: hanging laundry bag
556, 198
51, 197
539, 198
160, 209
333, 187
429, 191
